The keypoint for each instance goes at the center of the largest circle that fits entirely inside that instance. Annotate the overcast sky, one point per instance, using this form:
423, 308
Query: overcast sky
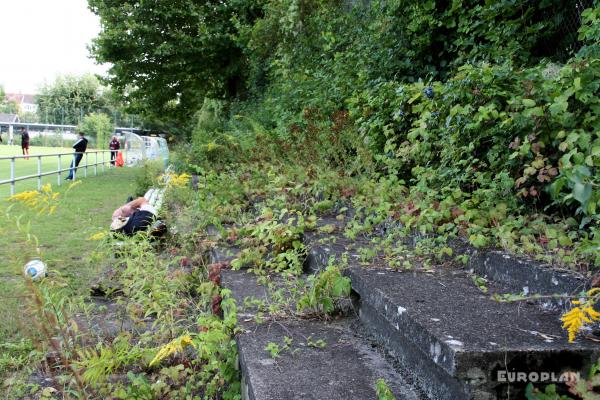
40, 39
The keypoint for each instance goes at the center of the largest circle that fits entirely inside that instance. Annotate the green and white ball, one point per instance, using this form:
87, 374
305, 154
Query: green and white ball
35, 269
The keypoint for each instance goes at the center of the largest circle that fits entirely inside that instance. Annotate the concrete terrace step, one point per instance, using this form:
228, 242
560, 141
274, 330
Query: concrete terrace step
452, 336
347, 367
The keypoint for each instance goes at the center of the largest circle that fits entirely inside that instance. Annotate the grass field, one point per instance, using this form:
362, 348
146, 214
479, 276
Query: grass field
30, 166
86, 209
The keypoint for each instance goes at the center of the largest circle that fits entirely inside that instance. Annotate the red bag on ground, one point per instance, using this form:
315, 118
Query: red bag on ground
119, 160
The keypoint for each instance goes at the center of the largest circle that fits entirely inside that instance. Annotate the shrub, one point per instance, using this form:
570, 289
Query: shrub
99, 127
148, 176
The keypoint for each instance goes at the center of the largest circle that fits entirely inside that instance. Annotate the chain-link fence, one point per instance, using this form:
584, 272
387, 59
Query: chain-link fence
564, 42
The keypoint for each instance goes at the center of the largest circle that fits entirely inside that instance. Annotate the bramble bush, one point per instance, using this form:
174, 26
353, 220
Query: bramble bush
530, 132
485, 112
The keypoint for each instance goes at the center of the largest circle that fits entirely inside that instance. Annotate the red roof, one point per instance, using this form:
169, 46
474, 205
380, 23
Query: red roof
21, 98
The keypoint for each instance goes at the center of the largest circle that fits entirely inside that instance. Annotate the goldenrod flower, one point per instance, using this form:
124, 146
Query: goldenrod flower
175, 180
211, 146
97, 236
576, 318
30, 198
43, 201
180, 180
73, 184
594, 315
176, 345
592, 292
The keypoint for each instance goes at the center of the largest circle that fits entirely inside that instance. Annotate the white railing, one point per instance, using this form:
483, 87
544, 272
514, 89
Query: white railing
105, 160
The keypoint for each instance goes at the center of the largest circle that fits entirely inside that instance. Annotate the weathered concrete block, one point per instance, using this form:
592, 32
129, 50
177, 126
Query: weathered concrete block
517, 272
453, 336
223, 254
346, 367
525, 276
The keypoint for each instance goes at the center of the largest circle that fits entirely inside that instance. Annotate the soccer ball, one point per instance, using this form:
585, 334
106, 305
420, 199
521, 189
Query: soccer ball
35, 269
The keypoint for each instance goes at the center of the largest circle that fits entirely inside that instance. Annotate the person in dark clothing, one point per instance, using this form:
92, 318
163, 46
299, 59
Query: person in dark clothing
25, 143
80, 146
114, 147
136, 216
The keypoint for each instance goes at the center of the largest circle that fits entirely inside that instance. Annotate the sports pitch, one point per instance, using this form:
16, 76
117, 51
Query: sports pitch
30, 167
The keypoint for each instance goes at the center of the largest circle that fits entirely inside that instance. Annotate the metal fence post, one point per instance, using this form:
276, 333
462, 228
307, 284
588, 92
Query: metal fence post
59, 170
39, 172
12, 176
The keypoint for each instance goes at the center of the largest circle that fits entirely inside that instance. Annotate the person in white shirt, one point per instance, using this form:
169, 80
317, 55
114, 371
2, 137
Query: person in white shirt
135, 216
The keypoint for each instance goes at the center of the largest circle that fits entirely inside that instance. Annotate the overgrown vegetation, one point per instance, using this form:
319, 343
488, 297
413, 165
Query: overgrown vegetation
481, 129
149, 294
158, 324
442, 120
482, 116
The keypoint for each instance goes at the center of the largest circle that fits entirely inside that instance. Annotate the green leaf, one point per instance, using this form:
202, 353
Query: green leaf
560, 105
564, 240
415, 97
535, 111
327, 305
528, 103
582, 193
341, 287
589, 161
478, 240
591, 208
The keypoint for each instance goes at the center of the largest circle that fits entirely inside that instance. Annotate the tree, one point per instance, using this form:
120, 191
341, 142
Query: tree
69, 98
98, 126
7, 106
167, 56
31, 117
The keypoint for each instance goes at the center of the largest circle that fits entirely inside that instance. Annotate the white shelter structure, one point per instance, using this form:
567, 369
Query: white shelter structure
141, 148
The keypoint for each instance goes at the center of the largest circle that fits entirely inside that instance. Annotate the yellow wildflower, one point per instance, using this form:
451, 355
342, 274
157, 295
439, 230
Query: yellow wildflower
180, 180
594, 315
43, 201
97, 236
592, 292
577, 317
30, 198
211, 146
175, 180
573, 321
73, 184
172, 347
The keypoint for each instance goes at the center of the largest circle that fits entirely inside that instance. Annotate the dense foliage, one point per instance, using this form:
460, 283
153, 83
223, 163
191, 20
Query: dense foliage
488, 109
167, 56
77, 100
7, 106
436, 120
98, 126
69, 98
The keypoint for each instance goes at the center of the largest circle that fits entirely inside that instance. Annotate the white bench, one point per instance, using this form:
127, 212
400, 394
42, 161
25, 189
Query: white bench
154, 196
